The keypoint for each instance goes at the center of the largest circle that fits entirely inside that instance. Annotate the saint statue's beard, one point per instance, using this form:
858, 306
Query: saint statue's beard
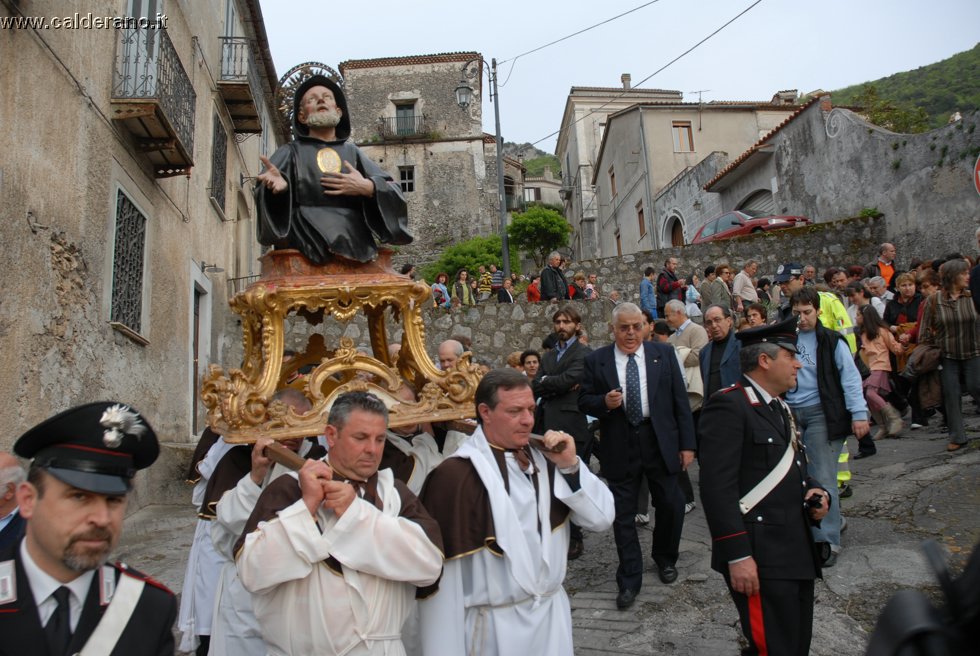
323, 119
80, 558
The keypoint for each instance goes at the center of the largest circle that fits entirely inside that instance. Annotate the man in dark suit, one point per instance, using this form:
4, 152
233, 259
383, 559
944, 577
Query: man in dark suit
11, 523
637, 391
56, 588
761, 539
506, 292
719, 359
556, 388
553, 285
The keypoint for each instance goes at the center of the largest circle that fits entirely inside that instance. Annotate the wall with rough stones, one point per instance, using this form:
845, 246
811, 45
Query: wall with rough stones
497, 330
827, 165
455, 194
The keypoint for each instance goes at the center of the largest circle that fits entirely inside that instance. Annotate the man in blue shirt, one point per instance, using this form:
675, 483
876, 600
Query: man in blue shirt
648, 295
828, 405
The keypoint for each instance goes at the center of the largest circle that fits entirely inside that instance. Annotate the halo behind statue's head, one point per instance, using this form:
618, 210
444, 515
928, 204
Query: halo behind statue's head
296, 78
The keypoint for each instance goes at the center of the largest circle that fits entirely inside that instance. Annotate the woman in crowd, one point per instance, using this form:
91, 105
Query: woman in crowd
903, 310
756, 315
530, 361
534, 289
901, 315
949, 321
440, 293
876, 345
692, 299
475, 290
461, 290
576, 291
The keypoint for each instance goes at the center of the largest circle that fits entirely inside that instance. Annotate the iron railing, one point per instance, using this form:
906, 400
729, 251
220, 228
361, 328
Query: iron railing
147, 67
396, 127
237, 62
236, 285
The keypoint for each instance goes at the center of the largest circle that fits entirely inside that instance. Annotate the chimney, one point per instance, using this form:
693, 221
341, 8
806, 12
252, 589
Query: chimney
625, 79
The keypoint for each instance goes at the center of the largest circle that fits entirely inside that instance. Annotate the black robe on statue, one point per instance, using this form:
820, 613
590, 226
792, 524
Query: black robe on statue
318, 225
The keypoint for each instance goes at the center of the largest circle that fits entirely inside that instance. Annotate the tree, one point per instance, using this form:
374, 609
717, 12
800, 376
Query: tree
469, 255
889, 115
537, 232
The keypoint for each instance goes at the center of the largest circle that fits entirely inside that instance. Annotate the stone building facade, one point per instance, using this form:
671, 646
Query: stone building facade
827, 162
646, 146
405, 117
124, 206
545, 188
583, 124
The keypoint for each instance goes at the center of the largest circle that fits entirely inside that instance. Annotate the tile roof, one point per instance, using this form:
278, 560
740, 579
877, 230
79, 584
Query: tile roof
621, 89
754, 147
439, 58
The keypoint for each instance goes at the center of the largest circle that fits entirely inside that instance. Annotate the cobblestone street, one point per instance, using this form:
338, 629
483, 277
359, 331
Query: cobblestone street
912, 490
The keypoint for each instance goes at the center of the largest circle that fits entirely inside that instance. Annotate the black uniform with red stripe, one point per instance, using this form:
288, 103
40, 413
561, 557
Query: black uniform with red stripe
742, 440
149, 631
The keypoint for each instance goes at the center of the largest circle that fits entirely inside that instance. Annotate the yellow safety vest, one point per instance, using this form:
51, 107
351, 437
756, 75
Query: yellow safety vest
834, 316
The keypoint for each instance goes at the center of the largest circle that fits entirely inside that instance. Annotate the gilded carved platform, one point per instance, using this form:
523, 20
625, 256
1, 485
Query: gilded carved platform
239, 401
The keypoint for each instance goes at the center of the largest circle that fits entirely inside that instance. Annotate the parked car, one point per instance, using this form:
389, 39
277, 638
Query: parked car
744, 222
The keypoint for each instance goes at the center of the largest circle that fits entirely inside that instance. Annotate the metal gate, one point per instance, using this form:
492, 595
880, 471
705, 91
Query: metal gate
760, 201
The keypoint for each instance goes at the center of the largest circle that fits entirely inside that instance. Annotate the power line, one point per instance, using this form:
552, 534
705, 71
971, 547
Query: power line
659, 70
565, 38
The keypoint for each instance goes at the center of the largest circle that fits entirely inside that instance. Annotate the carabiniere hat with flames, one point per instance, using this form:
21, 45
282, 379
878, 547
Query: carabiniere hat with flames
97, 447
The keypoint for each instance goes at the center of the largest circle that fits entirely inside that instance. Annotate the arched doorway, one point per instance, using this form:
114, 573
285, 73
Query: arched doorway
674, 231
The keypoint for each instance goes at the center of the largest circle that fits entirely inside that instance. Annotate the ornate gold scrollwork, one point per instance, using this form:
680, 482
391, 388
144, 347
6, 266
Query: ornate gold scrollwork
239, 401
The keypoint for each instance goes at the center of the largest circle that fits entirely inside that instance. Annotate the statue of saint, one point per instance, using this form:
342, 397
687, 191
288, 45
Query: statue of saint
319, 193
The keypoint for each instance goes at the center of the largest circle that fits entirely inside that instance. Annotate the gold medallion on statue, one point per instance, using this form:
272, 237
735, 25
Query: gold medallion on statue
328, 160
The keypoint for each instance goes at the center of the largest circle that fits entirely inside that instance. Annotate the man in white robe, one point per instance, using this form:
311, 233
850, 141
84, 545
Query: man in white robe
234, 629
506, 531
203, 562
332, 555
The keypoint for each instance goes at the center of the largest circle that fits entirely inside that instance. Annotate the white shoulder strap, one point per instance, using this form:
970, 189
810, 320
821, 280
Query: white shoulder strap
103, 640
769, 483
778, 473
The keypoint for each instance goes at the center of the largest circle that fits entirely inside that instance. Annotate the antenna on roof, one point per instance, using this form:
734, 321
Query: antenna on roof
700, 103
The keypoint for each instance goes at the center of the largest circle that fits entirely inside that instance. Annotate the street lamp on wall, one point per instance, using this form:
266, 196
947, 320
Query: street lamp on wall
464, 96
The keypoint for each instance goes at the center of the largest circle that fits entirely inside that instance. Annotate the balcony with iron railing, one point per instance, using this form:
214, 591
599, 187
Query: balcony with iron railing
238, 84
153, 99
412, 126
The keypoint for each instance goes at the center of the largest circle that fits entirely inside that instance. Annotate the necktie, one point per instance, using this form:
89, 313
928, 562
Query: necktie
58, 629
522, 457
634, 405
777, 407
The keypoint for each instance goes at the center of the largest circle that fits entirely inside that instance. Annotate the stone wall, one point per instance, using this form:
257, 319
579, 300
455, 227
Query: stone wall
497, 330
455, 191
58, 226
828, 165
852, 241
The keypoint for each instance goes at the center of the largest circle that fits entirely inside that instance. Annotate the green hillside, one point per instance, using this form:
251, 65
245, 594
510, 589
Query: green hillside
534, 159
939, 89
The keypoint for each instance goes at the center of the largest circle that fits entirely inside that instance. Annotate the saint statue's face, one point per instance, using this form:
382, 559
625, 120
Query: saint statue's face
318, 108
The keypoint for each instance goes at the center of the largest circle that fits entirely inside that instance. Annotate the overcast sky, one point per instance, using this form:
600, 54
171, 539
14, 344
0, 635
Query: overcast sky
777, 44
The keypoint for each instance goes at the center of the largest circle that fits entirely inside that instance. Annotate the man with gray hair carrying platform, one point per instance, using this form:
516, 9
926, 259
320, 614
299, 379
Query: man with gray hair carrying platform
332, 554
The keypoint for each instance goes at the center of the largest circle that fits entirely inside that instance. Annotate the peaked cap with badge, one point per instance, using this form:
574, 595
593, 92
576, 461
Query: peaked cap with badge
97, 447
783, 333
786, 272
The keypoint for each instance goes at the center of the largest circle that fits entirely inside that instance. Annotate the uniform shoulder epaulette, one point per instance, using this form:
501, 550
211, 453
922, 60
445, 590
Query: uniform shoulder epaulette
136, 574
749, 392
730, 388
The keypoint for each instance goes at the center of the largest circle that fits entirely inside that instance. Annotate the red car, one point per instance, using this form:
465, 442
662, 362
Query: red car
744, 222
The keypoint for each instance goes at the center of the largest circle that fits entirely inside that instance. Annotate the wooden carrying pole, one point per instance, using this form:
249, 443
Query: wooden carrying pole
279, 454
